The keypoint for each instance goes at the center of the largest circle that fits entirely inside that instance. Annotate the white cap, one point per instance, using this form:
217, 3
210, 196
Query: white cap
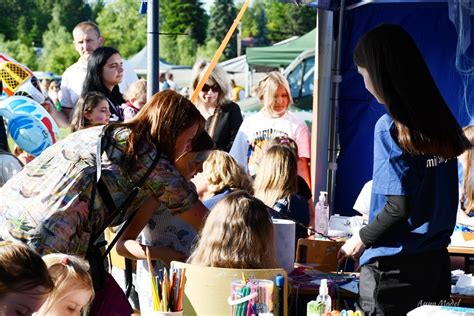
323, 288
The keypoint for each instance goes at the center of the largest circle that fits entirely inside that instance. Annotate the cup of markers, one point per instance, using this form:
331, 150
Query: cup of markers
251, 297
167, 290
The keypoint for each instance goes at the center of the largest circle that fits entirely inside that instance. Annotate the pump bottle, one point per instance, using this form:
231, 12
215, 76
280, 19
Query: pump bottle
322, 305
322, 214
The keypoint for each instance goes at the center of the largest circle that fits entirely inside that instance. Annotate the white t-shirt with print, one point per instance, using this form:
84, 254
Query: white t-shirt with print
259, 128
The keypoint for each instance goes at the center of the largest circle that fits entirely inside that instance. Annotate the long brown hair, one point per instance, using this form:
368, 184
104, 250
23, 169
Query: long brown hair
159, 123
22, 269
401, 78
467, 198
238, 234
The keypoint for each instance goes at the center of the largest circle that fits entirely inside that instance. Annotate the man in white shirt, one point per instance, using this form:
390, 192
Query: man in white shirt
86, 38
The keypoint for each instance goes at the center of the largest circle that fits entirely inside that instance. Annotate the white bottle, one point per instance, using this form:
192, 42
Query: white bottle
324, 298
321, 214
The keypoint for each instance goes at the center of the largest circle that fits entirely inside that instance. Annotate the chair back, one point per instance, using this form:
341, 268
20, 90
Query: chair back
318, 254
206, 289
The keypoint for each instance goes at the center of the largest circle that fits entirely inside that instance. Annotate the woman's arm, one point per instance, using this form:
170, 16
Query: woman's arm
303, 170
129, 247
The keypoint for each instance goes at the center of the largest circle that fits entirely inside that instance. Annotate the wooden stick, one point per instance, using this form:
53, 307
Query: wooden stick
219, 52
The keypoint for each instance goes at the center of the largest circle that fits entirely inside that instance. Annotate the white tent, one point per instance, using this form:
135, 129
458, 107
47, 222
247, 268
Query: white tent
139, 63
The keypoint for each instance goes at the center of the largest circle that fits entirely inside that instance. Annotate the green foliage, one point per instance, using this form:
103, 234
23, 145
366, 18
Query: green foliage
58, 51
261, 37
286, 20
19, 20
72, 12
223, 14
208, 50
186, 50
122, 26
20, 52
248, 22
185, 16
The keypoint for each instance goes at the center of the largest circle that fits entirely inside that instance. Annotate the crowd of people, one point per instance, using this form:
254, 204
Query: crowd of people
200, 183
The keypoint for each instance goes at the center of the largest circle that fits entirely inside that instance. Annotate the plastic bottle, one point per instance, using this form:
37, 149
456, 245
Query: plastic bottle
323, 299
322, 305
322, 214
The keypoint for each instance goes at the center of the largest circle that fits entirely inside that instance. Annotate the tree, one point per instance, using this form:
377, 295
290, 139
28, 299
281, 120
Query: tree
20, 52
18, 19
286, 20
72, 12
58, 51
261, 36
183, 26
208, 50
122, 26
223, 14
185, 16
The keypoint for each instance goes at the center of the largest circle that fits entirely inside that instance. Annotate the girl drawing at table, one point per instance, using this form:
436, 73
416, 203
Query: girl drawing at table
238, 234
415, 188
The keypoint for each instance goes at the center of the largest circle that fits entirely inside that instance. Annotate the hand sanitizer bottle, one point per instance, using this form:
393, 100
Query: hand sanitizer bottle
322, 214
322, 305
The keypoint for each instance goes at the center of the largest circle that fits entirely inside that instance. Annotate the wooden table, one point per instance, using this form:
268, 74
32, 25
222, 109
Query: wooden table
465, 252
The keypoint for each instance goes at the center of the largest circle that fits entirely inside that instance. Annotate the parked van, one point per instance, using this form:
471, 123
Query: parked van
300, 75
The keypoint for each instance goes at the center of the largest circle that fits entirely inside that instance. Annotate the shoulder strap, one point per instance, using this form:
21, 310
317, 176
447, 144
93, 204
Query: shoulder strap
99, 186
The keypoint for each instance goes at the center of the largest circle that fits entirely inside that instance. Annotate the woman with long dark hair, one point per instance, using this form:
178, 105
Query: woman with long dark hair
415, 189
104, 73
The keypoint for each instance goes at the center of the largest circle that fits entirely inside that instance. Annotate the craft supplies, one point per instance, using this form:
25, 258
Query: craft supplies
251, 298
167, 288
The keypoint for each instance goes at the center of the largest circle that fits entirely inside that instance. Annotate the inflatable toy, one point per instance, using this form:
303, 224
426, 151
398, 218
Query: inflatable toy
9, 166
17, 79
29, 124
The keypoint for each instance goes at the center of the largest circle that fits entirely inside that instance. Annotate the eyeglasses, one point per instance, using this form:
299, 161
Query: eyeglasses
214, 88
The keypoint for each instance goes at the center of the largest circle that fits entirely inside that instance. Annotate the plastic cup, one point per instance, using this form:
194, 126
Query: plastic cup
180, 313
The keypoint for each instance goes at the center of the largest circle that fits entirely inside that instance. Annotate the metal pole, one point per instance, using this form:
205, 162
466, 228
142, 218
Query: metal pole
334, 140
153, 47
321, 101
239, 39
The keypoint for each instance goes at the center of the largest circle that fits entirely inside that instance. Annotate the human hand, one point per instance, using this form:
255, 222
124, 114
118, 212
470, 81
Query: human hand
48, 106
354, 247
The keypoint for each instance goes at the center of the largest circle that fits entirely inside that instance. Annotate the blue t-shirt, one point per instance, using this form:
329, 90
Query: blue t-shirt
431, 186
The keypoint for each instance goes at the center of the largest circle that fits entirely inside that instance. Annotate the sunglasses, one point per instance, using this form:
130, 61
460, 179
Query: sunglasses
214, 88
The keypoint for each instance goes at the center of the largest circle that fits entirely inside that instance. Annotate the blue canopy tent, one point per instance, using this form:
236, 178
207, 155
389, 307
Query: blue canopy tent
354, 110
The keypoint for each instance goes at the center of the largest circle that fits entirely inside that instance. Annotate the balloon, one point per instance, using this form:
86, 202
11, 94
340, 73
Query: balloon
9, 166
18, 79
29, 124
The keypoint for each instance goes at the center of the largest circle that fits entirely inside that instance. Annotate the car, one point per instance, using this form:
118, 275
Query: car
300, 75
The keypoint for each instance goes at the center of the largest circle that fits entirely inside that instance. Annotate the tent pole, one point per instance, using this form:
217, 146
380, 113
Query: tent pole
321, 101
153, 47
333, 128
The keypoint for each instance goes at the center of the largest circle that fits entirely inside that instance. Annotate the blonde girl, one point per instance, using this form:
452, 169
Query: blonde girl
220, 176
24, 280
135, 97
223, 117
238, 234
276, 185
73, 290
273, 120
92, 109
